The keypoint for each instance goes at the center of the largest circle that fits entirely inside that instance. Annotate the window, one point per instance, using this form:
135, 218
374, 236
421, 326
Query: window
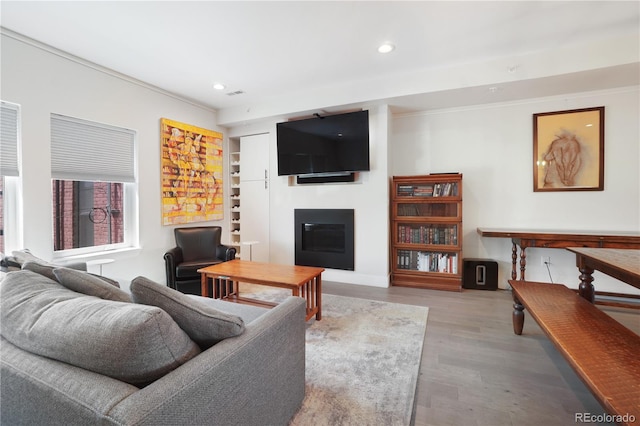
94, 186
10, 234
87, 214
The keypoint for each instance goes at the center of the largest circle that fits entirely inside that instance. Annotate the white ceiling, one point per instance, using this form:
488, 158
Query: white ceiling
283, 50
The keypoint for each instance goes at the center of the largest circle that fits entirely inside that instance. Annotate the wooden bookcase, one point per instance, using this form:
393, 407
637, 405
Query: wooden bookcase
426, 231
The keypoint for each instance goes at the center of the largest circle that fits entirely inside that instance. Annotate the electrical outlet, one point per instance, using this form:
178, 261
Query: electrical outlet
545, 260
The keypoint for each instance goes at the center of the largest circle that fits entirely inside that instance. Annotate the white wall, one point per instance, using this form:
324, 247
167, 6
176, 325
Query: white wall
492, 146
42, 83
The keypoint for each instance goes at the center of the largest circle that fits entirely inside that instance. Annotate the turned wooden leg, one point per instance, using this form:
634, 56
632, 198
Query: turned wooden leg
523, 263
586, 289
518, 316
514, 260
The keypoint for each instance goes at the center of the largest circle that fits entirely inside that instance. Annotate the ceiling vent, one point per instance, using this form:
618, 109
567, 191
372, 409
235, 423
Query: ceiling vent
237, 92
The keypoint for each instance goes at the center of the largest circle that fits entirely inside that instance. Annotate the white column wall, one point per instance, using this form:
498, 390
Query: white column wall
369, 197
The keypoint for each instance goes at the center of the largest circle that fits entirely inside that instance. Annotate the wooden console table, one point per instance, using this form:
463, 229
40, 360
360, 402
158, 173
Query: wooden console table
559, 239
623, 265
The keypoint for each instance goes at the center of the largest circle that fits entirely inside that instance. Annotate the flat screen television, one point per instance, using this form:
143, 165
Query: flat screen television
324, 146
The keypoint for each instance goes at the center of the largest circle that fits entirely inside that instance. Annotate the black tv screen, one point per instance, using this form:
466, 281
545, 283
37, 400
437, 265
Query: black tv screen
326, 145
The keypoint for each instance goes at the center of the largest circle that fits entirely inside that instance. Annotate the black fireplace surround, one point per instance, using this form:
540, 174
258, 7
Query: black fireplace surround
324, 237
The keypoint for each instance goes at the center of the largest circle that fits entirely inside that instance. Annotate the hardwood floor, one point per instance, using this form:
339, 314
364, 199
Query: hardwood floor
476, 371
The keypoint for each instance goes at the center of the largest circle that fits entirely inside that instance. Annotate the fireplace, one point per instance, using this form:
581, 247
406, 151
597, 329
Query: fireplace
324, 237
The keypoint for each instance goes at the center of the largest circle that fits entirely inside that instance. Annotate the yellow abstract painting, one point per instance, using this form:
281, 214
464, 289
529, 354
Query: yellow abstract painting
191, 173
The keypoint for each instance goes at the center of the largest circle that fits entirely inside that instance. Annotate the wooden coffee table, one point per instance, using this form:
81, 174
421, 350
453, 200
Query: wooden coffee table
304, 281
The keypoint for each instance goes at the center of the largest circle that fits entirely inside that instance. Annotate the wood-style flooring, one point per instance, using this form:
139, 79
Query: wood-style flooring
476, 371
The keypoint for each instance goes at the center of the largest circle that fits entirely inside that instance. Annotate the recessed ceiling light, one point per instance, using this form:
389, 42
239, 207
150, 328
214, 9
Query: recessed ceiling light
218, 86
386, 48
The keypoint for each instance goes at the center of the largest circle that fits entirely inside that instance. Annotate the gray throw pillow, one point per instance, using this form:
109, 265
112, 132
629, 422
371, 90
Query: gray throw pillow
40, 268
90, 285
23, 256
108, 280
133, 343
205, 325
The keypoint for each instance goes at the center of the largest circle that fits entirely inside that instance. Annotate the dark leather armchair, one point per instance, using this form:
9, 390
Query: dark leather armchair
196, 248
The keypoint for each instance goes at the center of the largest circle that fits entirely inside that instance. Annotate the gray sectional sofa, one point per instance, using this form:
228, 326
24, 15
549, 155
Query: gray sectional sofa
78, 350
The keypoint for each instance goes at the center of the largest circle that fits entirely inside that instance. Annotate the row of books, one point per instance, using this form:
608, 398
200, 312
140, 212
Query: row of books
427, 261
415, 190
428, 234
428, 209
433, 190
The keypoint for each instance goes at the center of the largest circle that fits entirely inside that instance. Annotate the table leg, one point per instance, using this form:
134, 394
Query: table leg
204, 288
514, 260
216, 287
586, 289
229, 288
319, 297
311, 292
523, 262
518, 316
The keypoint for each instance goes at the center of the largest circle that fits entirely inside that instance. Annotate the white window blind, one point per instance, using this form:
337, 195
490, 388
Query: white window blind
88, 151
8, 139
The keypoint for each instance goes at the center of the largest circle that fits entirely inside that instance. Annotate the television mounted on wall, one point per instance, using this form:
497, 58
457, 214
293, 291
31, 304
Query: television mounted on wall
331, 145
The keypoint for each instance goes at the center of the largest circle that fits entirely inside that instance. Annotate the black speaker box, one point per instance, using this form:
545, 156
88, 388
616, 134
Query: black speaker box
480, 274
349, 177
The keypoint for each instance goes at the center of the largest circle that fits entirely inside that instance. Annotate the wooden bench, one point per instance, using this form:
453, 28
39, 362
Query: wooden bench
604, 353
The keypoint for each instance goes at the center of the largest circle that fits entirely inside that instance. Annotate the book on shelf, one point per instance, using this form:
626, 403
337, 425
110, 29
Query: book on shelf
428, 234
444, 189
427, 261
423, 191
405, 190
438, 262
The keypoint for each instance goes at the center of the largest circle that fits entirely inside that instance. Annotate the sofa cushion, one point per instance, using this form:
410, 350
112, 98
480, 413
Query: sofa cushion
40, 268
90, 285
46, 269
205, 325
25, 255
107, 280
20, 257
248, 313
133, 343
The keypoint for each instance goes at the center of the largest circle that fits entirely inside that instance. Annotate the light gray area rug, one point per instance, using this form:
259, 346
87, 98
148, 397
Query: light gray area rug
362, 360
